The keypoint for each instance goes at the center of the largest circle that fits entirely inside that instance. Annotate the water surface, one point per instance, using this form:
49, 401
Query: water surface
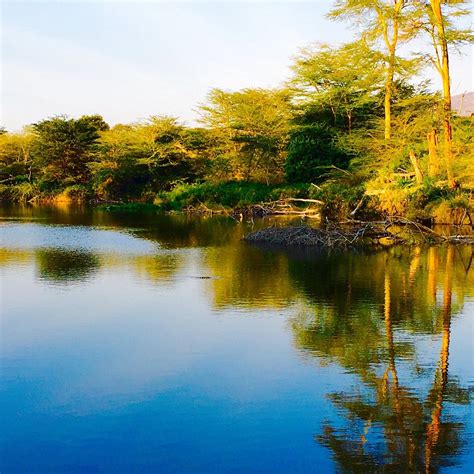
150, 343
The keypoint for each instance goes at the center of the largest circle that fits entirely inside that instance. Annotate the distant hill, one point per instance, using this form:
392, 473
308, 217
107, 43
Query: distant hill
463, 104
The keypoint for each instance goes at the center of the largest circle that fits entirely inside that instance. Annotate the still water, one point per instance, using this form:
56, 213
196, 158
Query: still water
149, 343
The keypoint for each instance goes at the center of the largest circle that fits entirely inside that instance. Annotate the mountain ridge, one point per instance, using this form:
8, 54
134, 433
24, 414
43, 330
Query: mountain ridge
463, 104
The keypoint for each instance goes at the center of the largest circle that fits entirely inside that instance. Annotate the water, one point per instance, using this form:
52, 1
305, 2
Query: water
148, 343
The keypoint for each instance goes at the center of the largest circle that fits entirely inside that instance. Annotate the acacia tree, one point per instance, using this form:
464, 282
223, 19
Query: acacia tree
252, 126
346, 80
435, 17
382, 21
168, 154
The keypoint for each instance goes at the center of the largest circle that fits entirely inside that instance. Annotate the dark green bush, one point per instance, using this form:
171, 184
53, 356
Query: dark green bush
311, 151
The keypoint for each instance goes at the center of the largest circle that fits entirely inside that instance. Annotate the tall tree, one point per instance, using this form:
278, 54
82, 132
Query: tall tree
382, 21
339, 83
437, 19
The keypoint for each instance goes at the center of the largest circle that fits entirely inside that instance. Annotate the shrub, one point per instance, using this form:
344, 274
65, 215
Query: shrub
23, 192
231, 194
311, 150
453, 210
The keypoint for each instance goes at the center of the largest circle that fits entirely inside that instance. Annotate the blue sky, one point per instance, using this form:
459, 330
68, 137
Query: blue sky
130, 60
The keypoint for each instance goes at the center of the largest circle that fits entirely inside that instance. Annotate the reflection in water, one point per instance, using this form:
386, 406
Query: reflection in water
64, 266
248, 277
391, 426
157, 268
376, 386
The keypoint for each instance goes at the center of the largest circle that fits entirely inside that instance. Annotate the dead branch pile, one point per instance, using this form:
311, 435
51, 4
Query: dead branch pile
329, 237
415, 231
353, 234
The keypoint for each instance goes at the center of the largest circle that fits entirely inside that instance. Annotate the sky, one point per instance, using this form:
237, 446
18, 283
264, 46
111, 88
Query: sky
130, 60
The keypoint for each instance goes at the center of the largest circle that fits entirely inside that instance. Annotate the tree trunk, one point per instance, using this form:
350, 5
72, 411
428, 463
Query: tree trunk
388, 96
445, 76
416, 166
433, 158
391, 44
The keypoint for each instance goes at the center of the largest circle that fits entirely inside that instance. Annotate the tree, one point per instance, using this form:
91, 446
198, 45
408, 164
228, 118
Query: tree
436, 17
383, 21
341, 84
147, 157
116, 172
64, 147
252, 126
336, 93
15, 157
169, 154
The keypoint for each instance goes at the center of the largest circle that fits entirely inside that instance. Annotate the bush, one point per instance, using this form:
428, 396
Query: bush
231, 194
311, 150
23, 192
453, 210
77, 192
339, 199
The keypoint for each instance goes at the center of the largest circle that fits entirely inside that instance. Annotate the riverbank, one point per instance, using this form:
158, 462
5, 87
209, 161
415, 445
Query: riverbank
335, 201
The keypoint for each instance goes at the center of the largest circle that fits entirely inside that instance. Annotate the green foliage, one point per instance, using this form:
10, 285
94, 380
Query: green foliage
341, 194
63, 149
229, 194
251, 128
168, 156
338, 86
428, 201
312, 150
143, 158
116, 173
20, 192
15, 157
463, 145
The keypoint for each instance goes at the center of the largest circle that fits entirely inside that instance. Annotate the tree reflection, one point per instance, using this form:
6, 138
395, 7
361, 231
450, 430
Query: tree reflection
248, 277
161, 267
65, 266
392, 425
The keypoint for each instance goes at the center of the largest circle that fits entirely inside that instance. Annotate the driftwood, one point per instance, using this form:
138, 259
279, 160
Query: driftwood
287, 206
353, 234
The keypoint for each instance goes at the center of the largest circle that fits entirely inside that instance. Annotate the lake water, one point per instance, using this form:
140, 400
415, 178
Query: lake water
142, 343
